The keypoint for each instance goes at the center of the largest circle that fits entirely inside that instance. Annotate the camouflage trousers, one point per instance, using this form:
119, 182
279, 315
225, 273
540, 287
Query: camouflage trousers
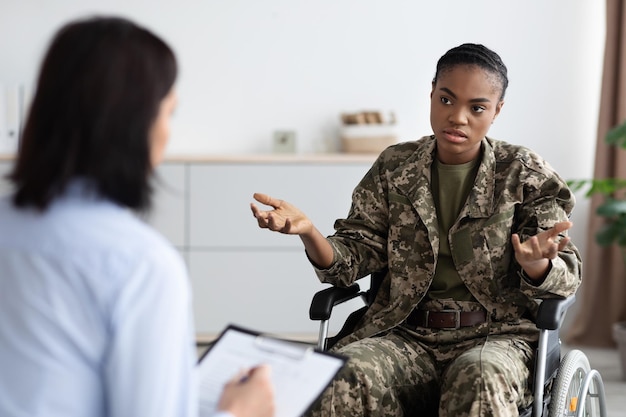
401, 374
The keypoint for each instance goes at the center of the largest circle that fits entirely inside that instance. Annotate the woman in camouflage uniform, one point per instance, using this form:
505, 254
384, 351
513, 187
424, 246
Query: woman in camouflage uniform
471, 230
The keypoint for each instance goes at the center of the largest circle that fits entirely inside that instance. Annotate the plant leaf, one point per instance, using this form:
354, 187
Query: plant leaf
576, 185
606, 186
617, 136
606, 235
611, 208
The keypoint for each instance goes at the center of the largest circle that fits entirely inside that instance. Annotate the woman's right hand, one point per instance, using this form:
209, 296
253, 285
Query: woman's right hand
283, 218
288, 219
249, 394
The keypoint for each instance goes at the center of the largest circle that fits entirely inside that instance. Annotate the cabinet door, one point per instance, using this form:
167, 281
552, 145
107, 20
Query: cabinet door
5, 185
266, 291
220, 197
168, 213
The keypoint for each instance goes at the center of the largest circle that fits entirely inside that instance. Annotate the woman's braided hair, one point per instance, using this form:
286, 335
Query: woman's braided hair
474, 54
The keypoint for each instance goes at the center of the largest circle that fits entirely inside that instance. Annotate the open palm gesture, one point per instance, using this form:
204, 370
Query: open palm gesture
284, 217
534, 254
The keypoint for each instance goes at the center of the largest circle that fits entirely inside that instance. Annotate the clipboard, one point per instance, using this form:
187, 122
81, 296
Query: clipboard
299, 371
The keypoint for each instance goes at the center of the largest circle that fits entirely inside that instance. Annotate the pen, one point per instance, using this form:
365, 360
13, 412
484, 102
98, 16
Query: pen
247, 374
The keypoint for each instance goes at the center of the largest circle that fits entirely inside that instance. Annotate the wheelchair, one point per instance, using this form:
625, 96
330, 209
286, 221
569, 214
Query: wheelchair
563, 386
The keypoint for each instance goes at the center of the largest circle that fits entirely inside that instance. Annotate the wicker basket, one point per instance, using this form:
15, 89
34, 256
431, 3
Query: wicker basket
367, 138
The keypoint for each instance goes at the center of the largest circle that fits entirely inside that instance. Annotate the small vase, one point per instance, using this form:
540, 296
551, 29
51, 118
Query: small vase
619, 335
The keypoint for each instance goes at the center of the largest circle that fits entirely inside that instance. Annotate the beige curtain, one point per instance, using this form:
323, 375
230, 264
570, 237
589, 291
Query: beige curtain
602, 297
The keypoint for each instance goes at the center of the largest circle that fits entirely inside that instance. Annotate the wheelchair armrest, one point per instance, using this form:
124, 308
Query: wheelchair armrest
551, 312
323, 301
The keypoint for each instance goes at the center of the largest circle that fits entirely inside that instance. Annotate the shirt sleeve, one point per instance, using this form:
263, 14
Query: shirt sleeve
548, 204
149, 366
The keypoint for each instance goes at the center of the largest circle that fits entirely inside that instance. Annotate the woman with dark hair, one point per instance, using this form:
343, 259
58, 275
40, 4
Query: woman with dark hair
96, 306
470, 231
99, 91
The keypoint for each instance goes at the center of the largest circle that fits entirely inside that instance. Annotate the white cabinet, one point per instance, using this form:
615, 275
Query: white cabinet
169, 209
5, 185
220, 197
267, 290
240, 273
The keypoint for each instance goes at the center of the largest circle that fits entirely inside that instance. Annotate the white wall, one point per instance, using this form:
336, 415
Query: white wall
249, 67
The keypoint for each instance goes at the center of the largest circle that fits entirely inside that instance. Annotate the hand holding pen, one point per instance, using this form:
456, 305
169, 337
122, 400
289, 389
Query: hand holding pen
250, 393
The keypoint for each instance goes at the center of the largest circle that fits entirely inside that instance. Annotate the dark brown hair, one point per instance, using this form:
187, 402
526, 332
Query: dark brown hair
99, 91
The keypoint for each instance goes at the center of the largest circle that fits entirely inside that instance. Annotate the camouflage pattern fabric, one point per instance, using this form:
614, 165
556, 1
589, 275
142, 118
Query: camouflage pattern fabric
397, 374
392, 224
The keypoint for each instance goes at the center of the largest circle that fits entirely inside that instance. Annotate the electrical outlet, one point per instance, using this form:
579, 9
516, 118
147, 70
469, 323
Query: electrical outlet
284, 141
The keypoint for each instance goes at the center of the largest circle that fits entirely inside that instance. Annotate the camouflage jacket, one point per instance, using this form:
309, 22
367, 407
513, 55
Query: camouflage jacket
392, 224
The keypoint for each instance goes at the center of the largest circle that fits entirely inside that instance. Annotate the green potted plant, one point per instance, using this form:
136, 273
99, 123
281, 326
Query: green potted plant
613, 210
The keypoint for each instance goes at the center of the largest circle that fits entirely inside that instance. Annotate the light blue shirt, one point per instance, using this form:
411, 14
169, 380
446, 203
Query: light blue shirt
95, 314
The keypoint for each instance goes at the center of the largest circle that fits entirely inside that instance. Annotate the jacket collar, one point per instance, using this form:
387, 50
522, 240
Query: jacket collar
413, 179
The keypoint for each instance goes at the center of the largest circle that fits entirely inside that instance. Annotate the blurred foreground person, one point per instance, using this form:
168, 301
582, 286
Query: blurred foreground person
95, 305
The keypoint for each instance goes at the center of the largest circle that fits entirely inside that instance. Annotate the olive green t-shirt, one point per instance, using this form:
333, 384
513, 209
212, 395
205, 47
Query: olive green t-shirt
450, 186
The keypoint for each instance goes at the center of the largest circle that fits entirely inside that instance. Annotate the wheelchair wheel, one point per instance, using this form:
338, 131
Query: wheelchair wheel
565, 390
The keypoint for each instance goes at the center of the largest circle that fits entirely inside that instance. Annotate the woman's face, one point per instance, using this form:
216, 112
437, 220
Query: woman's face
160, 131
464, 102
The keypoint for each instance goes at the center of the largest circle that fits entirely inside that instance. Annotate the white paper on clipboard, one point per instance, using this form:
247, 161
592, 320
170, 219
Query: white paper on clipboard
299, 372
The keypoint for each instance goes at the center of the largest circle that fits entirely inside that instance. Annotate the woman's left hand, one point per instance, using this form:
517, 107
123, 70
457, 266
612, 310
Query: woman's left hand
535, 253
